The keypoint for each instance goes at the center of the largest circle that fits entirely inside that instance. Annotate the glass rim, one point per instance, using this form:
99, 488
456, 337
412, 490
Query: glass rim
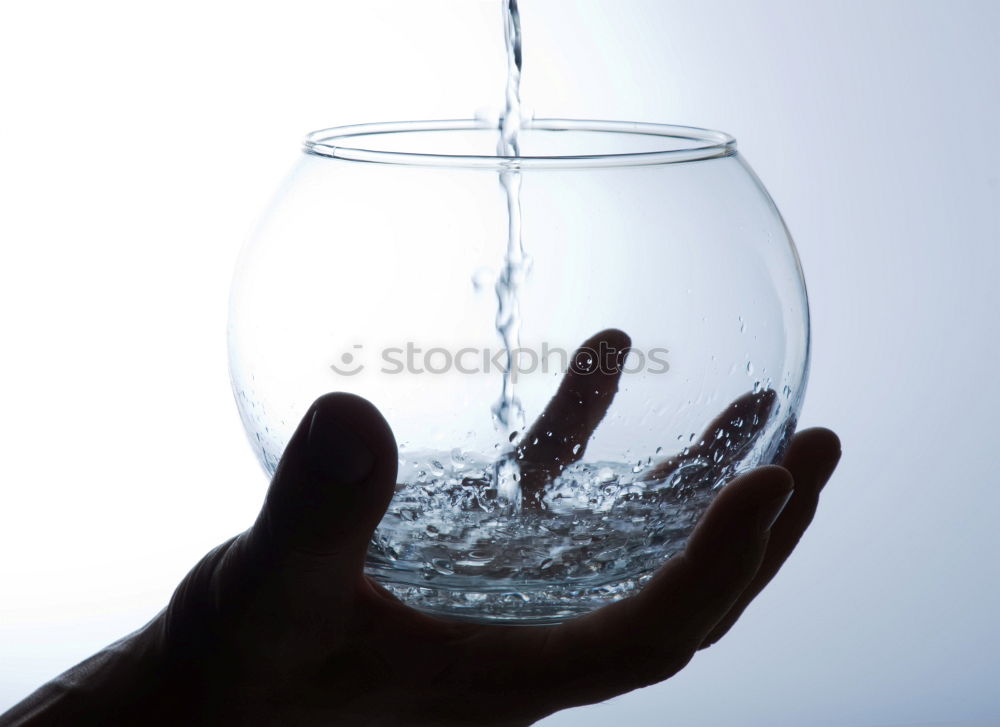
710, 144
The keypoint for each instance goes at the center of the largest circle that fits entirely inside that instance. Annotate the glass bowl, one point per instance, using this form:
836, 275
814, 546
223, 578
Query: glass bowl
576, 348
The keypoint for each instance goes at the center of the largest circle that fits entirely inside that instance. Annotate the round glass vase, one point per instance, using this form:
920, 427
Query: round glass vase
576, 348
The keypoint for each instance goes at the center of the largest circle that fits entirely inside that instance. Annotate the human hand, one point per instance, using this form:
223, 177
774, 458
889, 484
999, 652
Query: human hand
280, 625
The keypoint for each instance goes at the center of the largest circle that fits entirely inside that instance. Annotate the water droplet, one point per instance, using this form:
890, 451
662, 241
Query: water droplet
513, 436
443, 566
577, 448
482, 279
658, 450
749, 368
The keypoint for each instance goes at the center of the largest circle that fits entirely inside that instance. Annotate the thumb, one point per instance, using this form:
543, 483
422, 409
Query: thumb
334, 482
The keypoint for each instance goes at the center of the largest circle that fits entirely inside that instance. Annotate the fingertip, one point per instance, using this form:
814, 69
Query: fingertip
336, 476
603, 353
363, 416
820, 440
813, 456
612, 336
769, 476
761, 484
350, 446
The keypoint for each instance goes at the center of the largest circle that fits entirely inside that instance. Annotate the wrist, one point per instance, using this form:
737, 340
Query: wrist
103, 689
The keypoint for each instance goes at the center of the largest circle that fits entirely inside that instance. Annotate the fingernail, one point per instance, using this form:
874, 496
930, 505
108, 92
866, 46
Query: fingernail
770, 511
335, 452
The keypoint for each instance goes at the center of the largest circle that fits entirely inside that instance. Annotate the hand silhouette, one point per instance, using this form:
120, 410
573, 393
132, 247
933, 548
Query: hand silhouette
280, 626
559, 437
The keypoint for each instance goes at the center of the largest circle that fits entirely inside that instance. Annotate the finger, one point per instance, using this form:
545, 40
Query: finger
283, 589
647, 638
333, 484
726, 437
811, 460
560, 434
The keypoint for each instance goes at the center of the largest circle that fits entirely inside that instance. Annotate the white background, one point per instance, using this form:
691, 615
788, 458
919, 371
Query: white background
139, 141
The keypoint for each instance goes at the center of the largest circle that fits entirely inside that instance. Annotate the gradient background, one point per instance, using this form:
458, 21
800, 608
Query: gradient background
140, 141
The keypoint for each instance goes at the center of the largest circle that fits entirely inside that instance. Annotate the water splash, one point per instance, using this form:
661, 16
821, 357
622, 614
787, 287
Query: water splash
449, 544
